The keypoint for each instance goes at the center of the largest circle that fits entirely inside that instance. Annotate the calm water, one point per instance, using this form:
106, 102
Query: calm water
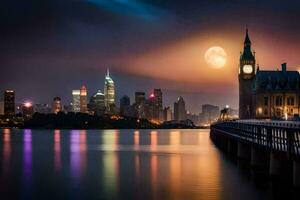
125, 164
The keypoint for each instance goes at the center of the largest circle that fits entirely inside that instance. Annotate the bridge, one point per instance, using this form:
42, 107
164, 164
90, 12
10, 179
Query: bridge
273, 145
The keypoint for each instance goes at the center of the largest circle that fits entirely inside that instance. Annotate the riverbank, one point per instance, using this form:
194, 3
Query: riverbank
85, 121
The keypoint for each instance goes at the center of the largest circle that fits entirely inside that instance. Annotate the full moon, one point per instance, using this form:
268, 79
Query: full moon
216, 57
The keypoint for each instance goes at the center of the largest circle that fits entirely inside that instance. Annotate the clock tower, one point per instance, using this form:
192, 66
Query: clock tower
246, 79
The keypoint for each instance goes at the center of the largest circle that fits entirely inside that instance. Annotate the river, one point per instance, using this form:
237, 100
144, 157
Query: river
121, 164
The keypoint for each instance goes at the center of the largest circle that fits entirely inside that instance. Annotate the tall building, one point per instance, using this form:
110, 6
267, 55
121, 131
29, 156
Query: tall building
56, 107
154, 104
124, 105
109, 91
97, 103
158, 98
140, 97
140, 104
42, 108
1, 108
210, 113
76, 100
83, 99
167, 114
68, 108
179, 109
246, 78
266, 93
27, 110
9, 103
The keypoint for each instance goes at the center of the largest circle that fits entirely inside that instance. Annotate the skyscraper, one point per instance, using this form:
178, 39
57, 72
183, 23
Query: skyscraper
1, 108
167, 114
83, 99
56, 107
76, 100
42, 108
9, 103
158, 98
140, 97
155, 105
27, 110
179, 109
124, 104
109, 91
97, 103
210, 113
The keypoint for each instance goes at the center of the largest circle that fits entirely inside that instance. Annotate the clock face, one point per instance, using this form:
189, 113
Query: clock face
247, 69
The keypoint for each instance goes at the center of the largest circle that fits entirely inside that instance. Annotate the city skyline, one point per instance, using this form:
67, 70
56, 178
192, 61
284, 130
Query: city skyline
75, 97
142, 45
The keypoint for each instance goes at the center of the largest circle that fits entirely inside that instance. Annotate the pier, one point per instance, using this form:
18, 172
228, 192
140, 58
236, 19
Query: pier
274, 145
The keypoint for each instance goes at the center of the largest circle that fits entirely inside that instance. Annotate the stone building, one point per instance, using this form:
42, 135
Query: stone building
272, 94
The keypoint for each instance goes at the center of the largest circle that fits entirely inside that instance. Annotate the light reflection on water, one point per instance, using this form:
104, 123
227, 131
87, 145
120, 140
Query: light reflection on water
78, 154
6, 150
119, 164
27, 155
57, 153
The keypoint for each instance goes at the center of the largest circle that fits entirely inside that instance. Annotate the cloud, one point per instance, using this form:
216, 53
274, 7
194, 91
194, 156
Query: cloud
132, 8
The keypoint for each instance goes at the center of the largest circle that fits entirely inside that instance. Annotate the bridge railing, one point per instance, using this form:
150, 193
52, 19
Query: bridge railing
285, 139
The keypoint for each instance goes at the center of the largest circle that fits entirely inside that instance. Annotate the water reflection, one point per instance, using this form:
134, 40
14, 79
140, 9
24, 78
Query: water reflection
137, 156
27, 155
175, 174
136, 138
6, 150
144, 164
110, 139
153, 140
78, 153
154, 175
57, 156
137, 165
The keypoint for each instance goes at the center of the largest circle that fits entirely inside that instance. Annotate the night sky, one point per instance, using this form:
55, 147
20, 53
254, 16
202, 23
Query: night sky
49, 47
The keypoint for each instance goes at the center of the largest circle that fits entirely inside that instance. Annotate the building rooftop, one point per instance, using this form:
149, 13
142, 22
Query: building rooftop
277, 80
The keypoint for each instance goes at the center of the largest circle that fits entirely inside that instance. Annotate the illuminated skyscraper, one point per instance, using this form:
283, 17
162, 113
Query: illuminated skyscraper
179, 109
27, 110
56, 105
97, 103
9, 103
109, 91
83, 99
158, 98
76, 100
155, 105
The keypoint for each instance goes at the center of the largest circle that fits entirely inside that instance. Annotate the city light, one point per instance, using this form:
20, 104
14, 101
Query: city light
28, 104
259, 111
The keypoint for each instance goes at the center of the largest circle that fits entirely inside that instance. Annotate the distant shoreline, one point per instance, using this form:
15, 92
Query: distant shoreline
84, 121
62, 128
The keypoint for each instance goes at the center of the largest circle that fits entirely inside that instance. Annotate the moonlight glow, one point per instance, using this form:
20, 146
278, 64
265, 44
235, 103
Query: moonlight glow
216, 57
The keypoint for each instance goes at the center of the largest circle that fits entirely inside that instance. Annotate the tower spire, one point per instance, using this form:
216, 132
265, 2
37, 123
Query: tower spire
247, 39
107, 72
